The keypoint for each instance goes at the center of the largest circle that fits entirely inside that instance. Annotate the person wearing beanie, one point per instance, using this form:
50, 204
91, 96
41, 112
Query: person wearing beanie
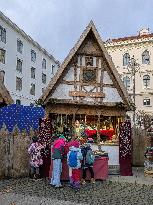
57, 156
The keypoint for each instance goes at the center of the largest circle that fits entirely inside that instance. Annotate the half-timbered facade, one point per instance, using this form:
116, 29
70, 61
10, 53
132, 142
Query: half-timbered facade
87, 83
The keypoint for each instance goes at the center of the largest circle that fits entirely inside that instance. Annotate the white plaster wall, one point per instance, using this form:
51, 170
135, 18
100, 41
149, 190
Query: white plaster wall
136, 48
88, 88
70, 75
10, 66
62, 91
111, 95
107, 79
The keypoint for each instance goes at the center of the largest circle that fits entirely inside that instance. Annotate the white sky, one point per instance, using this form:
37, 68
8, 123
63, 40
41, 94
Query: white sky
57, 24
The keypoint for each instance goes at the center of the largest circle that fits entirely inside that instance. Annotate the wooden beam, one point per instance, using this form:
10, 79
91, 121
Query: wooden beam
86, 94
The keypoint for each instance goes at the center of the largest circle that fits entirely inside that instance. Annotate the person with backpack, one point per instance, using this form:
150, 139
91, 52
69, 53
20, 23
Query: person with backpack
74, 158
57, 156
87, 162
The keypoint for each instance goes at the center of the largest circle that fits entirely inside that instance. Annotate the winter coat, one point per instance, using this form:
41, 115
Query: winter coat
35, 154
79, 156
86, 152
58, 149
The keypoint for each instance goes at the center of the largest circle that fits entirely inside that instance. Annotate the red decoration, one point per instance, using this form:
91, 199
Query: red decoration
108, 133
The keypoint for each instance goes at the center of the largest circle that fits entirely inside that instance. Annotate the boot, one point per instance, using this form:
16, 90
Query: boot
92, 180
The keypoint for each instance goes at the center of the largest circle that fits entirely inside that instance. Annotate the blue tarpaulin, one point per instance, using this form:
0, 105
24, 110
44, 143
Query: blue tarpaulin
24, 117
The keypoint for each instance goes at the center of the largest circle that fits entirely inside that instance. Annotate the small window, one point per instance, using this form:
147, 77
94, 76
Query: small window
126, 81
145, 57
18, 102
19, 46
43, 64
33, 56
89, 61
52, 69
19, 65
18, 83
2, 56
146, 81
43, 78
33, 72
2, 34
146, 102
126, 59
32, 89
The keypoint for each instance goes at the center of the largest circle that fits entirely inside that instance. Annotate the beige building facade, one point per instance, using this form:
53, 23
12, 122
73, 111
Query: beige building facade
121, 51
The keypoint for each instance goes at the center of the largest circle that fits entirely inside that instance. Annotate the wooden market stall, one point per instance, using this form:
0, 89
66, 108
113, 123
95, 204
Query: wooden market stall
88, 88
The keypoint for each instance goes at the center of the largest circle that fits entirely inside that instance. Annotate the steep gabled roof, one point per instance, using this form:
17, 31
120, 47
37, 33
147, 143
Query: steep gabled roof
90, 28
5, 95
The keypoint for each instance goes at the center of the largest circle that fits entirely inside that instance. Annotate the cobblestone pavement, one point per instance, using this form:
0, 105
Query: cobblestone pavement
28, 192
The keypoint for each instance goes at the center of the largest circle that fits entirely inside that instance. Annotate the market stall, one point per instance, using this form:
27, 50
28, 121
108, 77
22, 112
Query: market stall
87, 88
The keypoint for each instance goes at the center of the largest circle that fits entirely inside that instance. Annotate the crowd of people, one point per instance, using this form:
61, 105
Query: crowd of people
79, 155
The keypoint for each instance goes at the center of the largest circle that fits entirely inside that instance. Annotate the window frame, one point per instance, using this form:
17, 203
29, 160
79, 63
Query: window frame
33, 55
17, 68
2, 56
44, 78
18, 87
19, 46
33, 86
146, 82
146, 103
33, 76
126, 59
2, 34
127, 77
18, 100
44, 63
144, 55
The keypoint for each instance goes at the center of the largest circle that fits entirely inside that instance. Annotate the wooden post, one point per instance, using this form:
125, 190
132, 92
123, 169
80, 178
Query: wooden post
98, 127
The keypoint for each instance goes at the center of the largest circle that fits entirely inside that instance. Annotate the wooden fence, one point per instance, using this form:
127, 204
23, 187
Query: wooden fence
138, 139
14, 159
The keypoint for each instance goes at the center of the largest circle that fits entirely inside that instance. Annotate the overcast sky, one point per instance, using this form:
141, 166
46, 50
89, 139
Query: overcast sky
57, 24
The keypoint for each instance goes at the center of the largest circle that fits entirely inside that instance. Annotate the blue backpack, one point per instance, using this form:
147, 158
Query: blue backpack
72, 159
90, 157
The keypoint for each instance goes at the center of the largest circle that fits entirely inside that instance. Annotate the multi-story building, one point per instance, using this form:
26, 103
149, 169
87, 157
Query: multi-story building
141, 47
26, 67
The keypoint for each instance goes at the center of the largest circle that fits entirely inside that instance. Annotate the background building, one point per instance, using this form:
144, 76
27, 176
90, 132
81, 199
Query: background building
141, 46
25, 66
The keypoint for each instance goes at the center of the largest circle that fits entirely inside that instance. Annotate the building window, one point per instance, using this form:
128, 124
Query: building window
33, 56
126, 81
146, 81
52, 69
2, 34
2, 56
18, 102
43, 78
33, 72
89, 61
18, 83
126, 59
32, 89
146, 102
44, 63
2, 74
19, 65
19, 46
145, 57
